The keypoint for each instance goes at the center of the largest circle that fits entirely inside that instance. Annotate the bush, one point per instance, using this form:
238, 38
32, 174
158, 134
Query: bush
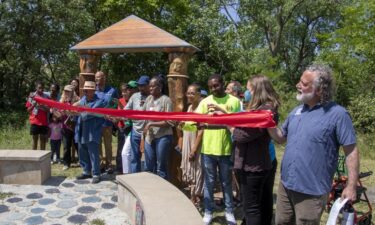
15, 119
362, 110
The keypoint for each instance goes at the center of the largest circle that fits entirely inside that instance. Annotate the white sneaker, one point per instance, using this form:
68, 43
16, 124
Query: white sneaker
207, 218
230, 218
65, 168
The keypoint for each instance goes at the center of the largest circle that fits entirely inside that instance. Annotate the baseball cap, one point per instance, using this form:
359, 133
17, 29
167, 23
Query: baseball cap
68, 88
132, 84
204, 93
143, 80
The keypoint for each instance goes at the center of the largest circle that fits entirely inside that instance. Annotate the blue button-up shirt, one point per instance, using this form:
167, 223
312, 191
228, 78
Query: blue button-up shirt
108, 94
89, 126
313, 140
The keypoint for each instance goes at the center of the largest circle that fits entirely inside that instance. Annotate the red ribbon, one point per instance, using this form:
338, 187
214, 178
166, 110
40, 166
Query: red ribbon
259, 118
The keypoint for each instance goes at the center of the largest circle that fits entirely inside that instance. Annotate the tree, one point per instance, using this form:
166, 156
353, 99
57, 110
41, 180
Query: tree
350, 51
36, 36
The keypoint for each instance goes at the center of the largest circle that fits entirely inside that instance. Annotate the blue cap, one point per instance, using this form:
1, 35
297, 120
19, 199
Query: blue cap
143, 80
204, 93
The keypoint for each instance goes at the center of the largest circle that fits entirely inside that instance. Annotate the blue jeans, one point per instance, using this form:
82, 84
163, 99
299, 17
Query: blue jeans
157, 155
210, 164
89, 158
135, 154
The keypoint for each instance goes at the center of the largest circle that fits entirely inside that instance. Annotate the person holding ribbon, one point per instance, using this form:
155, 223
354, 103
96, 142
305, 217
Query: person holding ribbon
191, 140
314, 132
38, 117
157, 134
68, 97
136, 102
252, 160
110, 97
217, 148
88, 133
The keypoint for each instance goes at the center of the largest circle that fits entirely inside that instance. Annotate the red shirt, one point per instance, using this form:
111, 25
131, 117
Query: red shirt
121, 105
38, 116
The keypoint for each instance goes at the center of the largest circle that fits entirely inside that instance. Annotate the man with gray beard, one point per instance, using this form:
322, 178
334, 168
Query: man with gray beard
313, 132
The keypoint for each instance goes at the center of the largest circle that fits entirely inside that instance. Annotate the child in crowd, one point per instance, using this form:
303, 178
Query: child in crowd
55, 127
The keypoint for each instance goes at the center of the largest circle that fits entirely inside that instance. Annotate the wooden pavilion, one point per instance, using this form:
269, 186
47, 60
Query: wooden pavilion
134, 34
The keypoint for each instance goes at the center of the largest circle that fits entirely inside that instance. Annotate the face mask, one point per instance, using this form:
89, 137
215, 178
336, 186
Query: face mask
247, 96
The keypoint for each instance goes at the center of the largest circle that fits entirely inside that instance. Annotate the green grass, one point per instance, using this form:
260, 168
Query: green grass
97, 222
4, 195
11, 138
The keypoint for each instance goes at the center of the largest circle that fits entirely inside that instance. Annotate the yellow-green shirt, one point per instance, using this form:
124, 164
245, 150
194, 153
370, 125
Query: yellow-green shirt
218, 141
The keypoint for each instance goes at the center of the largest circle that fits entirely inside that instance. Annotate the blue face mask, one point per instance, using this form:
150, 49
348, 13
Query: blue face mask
247, 96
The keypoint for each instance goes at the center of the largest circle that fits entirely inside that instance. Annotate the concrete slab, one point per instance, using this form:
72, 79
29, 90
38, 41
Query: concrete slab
24, 166
157, 200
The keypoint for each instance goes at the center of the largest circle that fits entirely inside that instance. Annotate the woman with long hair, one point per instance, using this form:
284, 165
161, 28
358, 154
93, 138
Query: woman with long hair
191, 161
252, 160
68, 97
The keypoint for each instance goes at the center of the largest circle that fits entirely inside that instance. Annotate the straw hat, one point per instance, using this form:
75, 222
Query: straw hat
89, 85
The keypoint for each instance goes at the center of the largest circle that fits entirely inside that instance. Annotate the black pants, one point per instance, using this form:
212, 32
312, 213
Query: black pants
68, 141
257, 196
267, 198
55, 149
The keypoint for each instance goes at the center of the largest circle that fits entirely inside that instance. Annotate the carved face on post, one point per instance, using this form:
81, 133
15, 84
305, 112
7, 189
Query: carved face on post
178, 63
88, 63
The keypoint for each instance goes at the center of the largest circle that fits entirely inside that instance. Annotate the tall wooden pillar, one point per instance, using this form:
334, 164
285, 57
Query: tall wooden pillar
88, 66
177, 85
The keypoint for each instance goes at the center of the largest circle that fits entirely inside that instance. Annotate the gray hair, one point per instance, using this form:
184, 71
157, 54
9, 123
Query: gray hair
324, 81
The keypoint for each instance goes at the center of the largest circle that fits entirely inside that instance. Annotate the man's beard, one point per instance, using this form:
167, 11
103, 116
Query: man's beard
305, 97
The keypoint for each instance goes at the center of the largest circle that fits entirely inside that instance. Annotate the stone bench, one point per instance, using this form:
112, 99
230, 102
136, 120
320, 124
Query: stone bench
149, 199
24, 166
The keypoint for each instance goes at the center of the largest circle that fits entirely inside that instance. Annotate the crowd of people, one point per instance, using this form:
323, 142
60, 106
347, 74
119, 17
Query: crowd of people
243, 158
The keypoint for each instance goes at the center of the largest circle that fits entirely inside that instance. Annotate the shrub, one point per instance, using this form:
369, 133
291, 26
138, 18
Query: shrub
287, 98
362, 110
15, 119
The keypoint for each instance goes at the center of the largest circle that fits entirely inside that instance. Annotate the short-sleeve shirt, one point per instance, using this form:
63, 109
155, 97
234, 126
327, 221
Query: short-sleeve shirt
162, 104
218, 141
313, 140
56, 130
135, 103
39, 115
121, 105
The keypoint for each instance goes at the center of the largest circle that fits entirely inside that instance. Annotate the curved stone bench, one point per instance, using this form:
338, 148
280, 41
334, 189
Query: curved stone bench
24, 166
149, 199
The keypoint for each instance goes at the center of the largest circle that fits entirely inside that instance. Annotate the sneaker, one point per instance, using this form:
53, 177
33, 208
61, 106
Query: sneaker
207, 218
95, 179
230, 218
83, 176
65, 167
52, 162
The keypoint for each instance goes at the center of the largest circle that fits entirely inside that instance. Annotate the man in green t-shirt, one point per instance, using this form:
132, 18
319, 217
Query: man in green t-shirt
216, 148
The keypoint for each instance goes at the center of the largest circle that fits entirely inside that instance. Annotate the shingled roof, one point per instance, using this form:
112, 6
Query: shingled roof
134, 34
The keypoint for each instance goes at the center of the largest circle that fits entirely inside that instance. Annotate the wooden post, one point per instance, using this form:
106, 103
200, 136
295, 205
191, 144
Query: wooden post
87, 64
177, 85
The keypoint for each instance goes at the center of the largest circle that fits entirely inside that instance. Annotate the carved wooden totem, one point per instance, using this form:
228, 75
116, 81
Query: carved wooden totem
87, 64
177, 79
177, 85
